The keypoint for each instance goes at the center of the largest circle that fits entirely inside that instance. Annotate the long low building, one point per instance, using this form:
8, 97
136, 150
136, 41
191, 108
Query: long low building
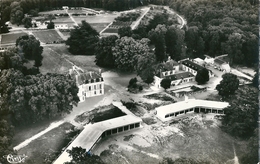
93, 133
189, 106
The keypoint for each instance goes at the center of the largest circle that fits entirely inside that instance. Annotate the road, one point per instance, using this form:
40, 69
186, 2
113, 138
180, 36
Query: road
136, 23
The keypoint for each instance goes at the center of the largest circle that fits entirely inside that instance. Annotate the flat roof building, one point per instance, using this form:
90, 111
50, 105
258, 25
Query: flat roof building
93, 133
179, 109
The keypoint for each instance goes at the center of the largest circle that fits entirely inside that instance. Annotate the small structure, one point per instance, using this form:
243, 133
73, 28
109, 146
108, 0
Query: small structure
199, 61
189, 106
65, 7
208, 59
61, 26
90, 84
222, 63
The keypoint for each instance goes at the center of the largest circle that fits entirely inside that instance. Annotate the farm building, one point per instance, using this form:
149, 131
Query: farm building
190, 66
182, 72
93, 133
90, 84
209, 60
189, 106
61, 26
222, 63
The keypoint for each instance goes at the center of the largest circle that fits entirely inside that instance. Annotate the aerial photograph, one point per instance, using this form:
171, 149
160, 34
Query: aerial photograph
129, 81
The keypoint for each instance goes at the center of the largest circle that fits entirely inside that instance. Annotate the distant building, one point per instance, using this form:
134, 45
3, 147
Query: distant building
65, 7
199, 61
90, 83
209, 60
222, 63
189, 106
61, 26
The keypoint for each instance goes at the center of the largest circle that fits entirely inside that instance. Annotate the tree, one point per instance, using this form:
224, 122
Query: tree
147, 75
125, 31
103, 52
183, 161
228, 85
27, 21
16, 15
127, 51
30, 48
240, 119
36, 97
202, 76
81, 156
83, 39
255, 80
234, 46
166, 83
50, 25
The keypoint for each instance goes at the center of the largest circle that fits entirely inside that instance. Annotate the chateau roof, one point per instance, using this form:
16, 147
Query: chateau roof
178, 76
192, 65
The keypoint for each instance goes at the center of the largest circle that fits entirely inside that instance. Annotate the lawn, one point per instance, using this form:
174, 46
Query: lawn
99, 26
48, 36
111, 30
53, 62
11, 38
62, 20
101, 18
48, 147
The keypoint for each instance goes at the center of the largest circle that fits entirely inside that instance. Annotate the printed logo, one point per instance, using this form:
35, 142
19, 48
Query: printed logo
15, 158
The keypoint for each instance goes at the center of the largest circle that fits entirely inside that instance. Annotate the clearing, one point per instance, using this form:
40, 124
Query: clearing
47, 36
11, 38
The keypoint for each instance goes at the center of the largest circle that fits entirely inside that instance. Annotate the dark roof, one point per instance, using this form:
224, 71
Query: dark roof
85, 78
219, 61
192, 65
179, 76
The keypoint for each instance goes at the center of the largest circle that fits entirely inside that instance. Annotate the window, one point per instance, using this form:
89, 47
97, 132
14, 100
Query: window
132, 126
137, 125
114, 131
89, 88
100, 86
95, 92
126, 128
100, 91
120, 129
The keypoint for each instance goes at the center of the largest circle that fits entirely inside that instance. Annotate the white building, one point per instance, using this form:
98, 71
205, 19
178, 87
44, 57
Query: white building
222, 63
61, 26
187, 107
209, 60
93, 133
90, 84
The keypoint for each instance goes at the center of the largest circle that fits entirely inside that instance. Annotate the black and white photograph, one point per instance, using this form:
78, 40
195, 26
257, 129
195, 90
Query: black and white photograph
129, 82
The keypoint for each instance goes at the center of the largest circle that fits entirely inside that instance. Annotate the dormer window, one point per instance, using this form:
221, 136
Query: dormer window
92, 80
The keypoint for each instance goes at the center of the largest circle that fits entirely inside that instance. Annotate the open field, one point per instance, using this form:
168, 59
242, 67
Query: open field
53, 62
62, 20
101, 18
48, 36
99, 26
46, 148
11, 38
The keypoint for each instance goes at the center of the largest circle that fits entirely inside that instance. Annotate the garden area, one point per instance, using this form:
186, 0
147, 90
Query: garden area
160, 96
11, 38
48, 36
187, 91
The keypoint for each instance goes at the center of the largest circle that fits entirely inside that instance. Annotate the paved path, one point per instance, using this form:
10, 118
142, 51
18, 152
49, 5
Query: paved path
71, 17
26, 142
139, 19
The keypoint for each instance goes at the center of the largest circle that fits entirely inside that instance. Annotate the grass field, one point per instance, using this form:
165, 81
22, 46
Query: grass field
53, 62
111, 30
47, 148
11, 38
63, 19
48, 36
99, 26
102, 18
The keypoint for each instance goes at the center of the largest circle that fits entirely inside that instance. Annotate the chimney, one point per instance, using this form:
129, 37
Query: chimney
90, 73
99, 71
186, 98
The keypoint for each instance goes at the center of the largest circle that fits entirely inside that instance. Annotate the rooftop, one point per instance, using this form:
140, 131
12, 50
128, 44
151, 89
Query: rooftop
192, 65
190, 103
219, 61
178, 76
88, 77
91, 133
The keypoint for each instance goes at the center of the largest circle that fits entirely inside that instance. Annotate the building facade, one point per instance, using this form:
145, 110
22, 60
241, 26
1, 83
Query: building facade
90, 84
